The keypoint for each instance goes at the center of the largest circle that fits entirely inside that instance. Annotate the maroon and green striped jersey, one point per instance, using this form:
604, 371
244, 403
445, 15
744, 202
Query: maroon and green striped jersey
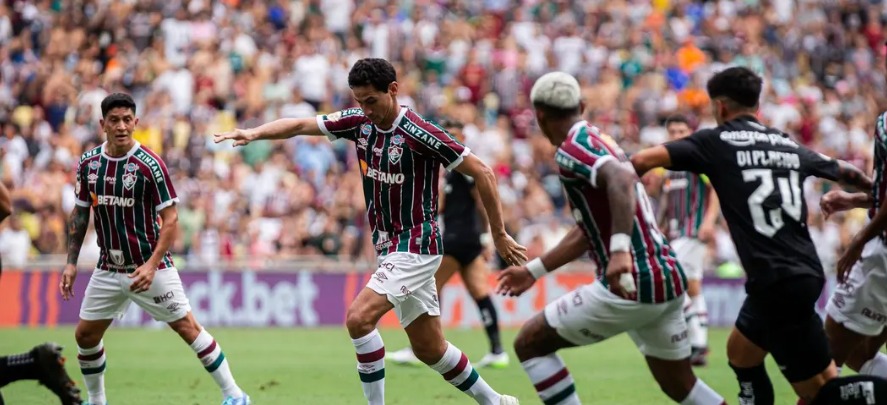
687, 196
657, 273
879, 183
125, 194
400, 169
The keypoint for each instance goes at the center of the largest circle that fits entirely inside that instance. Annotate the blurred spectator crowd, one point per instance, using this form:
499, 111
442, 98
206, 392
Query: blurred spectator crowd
203, 66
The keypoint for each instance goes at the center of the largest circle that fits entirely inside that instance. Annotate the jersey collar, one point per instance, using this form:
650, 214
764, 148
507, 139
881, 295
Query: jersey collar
132, 151
396, 123
576, 127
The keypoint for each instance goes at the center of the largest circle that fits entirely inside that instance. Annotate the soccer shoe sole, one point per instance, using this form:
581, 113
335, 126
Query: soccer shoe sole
53, 376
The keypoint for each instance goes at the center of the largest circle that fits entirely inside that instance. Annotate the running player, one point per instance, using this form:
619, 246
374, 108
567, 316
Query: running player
43, 363
640, 285
128, 188
758, 173
690, 213
463, 225
400, 155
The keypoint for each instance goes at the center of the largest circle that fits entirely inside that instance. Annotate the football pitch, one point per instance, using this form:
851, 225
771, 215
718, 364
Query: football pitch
318, 366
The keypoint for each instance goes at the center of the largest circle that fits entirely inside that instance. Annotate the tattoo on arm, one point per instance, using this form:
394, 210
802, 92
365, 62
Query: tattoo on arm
851, 176
77, 224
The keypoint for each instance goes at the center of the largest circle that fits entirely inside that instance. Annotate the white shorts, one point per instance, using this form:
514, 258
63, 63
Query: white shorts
108, 296
860, 303
407, 279
691, 254
592, 313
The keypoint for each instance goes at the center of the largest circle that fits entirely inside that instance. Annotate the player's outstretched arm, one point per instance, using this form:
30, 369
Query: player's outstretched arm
5, 202
876, 227
515, 280
279, 129
649, 159
850, 176
78, 222
620, 184
487, 187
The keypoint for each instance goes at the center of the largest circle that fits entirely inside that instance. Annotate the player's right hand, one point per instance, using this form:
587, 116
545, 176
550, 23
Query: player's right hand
514, 280
66, 286
835, 201
620, 263
513, 253
240, 137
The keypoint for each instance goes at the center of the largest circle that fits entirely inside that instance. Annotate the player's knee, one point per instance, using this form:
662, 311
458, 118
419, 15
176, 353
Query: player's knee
525, 346
430, 352
677, 387
358, 323
87, 338
187, 328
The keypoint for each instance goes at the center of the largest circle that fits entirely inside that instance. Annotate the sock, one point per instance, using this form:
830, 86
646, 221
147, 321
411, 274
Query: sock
18, 367
552, 380
457, 370
702, 394
854, 390
491, 323
876, 366
92, 366
210, 354
755, 387
371, 366
701, 311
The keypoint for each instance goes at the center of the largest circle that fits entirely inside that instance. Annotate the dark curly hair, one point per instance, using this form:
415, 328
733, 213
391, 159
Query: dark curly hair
374, 72
737, 84
116, 100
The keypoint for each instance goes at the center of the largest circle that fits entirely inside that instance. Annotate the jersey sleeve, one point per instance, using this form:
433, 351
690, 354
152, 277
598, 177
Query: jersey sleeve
433, 141
343, 124
693, 153
819, 165
164, 191
81, 186
584, 158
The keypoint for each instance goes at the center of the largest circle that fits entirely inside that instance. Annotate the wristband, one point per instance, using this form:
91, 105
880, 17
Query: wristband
486, 239
537, 268
620, 242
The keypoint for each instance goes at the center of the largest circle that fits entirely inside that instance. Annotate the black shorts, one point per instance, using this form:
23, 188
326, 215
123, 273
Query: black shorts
782, 320
463, 250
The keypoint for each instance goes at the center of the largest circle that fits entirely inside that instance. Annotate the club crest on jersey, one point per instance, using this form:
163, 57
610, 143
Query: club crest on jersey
94, 165
129, 180
116, 256
394, 153
366, 129
131, 167
397, 140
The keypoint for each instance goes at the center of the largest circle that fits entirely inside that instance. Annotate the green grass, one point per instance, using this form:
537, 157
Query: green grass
317, 366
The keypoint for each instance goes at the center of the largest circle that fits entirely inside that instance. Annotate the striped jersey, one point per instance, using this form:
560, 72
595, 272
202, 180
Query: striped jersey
400, 169
879, 183
686, 201
125, 194
657, 273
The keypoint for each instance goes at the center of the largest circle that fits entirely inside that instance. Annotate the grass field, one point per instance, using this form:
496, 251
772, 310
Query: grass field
317, 366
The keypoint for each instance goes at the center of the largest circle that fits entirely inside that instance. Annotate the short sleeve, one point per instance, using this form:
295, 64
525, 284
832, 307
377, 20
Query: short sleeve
583, 157
81, 186
429, 139
819, 165
343, 124
693, 153
164, 191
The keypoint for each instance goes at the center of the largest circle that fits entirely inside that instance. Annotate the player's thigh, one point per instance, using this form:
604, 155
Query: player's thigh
538, 338
165, 300
795, 332
860, 303
866, 350
407, 280
591, 314
105, 296
476, 276
448, 267
665, 335
842, 341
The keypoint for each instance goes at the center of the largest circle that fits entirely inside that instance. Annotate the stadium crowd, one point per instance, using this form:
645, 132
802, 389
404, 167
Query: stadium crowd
203, 66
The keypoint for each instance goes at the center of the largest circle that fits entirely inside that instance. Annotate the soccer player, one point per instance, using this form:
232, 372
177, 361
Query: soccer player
43, 363
128, 189
640, 284
400, 155
690, 213
758, 173
463, 225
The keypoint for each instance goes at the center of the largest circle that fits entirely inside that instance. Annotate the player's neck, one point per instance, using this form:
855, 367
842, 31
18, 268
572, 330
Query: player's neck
386, 124
116, 151
561, 128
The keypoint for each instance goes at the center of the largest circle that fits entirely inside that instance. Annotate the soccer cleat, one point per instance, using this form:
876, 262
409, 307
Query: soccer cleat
244, 400
404, 356
699, 356
499, 360
508, 400
51, 364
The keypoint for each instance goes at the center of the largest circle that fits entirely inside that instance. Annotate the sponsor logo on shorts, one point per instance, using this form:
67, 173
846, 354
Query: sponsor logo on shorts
875, 316
593, 336
838, 300
859, 390
381, 276
434, 298
164, 297
405, 290
173, 307
577, 299
679, 337
562, 307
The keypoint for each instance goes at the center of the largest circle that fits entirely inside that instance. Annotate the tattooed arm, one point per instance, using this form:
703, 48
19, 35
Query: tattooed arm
851, 176
77, 224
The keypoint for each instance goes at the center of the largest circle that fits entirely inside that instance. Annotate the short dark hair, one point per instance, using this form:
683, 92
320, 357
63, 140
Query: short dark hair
116, 100
738, 84
447, 122
676, 119
374, 72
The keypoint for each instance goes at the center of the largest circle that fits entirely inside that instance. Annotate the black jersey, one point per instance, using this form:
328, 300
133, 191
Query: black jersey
460, 216
758, 174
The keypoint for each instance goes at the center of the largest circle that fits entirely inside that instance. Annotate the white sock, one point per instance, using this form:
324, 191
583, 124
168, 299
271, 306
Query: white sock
92, 366
371, 366
876, 366
210, 354
696, 313
457, 370
552, 380
702, 394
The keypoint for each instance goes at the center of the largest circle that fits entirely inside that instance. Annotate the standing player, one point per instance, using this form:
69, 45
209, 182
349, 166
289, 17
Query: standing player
758, 173
128, 187
400, 155
640, 285
690, 212
463, 224
43, 363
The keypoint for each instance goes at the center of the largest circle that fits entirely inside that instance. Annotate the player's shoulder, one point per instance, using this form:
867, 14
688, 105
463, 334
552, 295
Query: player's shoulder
881, 126
146, 155
354, 112
410, 116
91, 154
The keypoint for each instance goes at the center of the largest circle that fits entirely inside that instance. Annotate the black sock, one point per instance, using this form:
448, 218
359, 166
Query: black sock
18, 367
754, 385
491, 323
857, 389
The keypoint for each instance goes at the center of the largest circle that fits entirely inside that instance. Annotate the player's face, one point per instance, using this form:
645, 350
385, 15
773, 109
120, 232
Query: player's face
543, 125
378, 106
118, 125
678, 130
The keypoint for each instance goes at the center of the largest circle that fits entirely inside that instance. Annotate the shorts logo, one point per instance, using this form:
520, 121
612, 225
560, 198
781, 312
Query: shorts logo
577, 299
129, 180
434, 298
381, 276
366, 129
405, 290
173, 307
163, 298
131, 167
397, 140
394, 154
679, 337
838, 300
94, 165
562, 307
875, 316
116, 256
593, 336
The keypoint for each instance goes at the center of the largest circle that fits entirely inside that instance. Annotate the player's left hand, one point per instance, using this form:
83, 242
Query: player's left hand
835, 201
514, 280
513, 253
241, 137
142, 278
848, 259
620, 263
